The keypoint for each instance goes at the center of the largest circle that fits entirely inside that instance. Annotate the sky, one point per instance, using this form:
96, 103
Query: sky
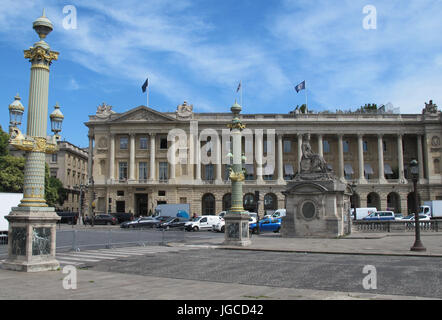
198, 51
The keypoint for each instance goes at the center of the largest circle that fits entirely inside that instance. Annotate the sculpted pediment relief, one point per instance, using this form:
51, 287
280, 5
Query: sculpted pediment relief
143, 114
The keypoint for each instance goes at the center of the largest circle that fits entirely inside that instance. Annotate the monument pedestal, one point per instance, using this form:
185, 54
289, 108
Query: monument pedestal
31, 245
317, 209
237, 230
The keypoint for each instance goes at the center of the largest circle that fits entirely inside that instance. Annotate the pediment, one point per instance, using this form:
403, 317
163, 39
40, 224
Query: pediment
142, 114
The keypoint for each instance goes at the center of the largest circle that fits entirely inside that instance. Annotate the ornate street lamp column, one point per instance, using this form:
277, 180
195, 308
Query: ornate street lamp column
418, 245
237, 220
32, 224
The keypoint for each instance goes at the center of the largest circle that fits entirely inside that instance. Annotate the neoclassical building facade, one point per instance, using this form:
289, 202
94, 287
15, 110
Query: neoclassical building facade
132, 170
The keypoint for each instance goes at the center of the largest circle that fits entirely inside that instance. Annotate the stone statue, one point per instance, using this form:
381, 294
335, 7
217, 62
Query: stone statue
313, 165
184, 111
104, 110
430, 108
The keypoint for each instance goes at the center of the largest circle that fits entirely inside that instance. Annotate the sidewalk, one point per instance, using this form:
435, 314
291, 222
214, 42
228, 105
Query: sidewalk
358, 243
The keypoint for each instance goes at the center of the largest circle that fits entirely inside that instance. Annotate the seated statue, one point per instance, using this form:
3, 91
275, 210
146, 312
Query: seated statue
310, 161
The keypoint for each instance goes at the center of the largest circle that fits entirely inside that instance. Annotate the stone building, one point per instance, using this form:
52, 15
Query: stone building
132, 172
69, 165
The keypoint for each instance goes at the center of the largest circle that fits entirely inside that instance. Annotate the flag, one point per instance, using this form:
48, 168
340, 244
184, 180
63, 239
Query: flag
300, 86
239, 87
146, 83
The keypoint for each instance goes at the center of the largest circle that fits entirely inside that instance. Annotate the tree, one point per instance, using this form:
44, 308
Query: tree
11, 174
4, 142
54, 191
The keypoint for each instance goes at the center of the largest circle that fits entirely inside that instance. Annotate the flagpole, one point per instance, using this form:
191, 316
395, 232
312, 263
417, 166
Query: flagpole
241, 93
147, 96
306, 101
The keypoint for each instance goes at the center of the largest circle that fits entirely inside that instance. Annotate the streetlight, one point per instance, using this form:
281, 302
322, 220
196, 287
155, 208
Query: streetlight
81, 188
32, 225
353, 193
418, 246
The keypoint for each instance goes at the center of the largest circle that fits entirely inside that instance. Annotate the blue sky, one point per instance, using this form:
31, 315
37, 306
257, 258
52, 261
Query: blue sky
198, 51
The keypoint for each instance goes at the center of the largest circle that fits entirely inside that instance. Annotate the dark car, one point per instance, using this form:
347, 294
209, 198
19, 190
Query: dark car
144, 222
173, 223
68, 217
102, 219
123, 216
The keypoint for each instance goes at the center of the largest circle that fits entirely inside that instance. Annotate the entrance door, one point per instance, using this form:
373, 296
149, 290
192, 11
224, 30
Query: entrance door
140, 205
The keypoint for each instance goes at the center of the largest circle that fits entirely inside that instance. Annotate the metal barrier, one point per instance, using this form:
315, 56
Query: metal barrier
396, 226
77, 240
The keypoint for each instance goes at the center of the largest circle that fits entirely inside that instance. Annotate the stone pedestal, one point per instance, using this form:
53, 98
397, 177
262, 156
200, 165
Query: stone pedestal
317, 209
31, 245
237, 230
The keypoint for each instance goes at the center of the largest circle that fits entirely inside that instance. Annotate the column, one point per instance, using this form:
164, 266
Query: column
340, 158
132, 157
299, 136
259, 155
381, 170
280, 160
112, 158
198, 158
152, 171
172, 161
320, 146
362, 179
425, 158
400, 152
218, 176
90, 157
420, 158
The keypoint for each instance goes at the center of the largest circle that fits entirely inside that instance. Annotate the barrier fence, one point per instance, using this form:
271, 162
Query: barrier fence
396, 226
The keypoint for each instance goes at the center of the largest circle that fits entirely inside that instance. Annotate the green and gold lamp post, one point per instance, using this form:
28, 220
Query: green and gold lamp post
31, 245
237, 220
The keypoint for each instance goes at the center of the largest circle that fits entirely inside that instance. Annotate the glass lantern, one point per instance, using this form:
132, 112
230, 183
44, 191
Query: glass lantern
56, 119
16, 111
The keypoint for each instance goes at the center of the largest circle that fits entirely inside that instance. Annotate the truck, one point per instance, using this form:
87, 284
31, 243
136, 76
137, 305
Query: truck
7, 201
361, 213
173, 210
432, 209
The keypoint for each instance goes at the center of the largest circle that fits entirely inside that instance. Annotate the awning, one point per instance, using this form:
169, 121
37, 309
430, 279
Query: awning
288, 168
348, 169
387, 169
269, 170
249, 168
368, 169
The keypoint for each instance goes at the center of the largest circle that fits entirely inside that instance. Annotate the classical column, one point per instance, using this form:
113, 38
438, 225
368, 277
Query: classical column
112, 158
340, 158
280, 160
425, 157
132, 157
420, 158
90, 157
218, 176
152, 172
299, 136
259, 156
381, 159
400, 152
362, 179
198, 158
320, 146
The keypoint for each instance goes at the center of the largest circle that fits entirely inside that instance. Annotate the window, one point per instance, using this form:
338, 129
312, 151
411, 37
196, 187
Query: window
163, 143
346, 146
265, 146
384, 144
163, 171
436, 166
54, 158
365, 146
143, 143
287, 146
123, 171
123, 143
226, 173
161, 193
54, 173
208, 205
183, 200
209, 172
142, 173
326, 146
120, 193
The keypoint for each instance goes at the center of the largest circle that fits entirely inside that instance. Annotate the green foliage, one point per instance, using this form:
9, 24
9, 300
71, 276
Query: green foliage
54, 191
368, 108
302, 108
4, 142
11, 174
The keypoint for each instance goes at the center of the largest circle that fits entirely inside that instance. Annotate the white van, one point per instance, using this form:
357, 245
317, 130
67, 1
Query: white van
202, 223
279, 213
361, 213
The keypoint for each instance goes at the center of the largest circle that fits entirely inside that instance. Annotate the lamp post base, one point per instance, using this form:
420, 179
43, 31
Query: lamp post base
237, 230
418, 246
31, 245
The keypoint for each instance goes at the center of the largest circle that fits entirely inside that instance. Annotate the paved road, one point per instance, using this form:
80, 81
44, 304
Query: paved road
408, 276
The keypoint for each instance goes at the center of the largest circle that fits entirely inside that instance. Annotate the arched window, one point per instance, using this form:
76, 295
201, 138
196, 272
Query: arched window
373, 201
270, 203
249, 202
227, 202
436, 163
208, 204
394, 202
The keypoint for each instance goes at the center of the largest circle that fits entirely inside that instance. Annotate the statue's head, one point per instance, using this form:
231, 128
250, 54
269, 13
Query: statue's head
306, 137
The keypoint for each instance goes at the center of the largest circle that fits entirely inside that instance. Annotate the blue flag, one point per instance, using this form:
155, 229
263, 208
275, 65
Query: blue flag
300, 86
145, 85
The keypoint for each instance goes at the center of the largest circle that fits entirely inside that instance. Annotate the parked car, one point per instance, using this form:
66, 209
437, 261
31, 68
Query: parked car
380, 216
173, 223
202, 223
398, 216
68, 217
219, 226
123, 216
266, 225
144, 222
422, 217
102, 219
